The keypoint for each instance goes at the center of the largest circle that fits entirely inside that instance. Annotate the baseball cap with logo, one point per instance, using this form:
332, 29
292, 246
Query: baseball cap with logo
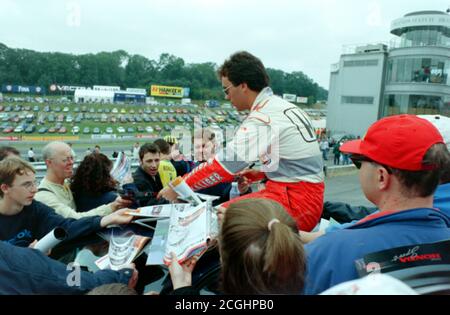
399, 141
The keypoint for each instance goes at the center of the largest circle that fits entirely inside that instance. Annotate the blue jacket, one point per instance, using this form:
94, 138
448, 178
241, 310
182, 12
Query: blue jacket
28, 271
37, 219
331, 258
86, 202
442, 198
441, 201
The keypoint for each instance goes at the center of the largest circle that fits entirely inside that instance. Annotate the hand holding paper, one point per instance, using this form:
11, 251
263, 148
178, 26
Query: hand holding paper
181, 275
50, 240
184, 191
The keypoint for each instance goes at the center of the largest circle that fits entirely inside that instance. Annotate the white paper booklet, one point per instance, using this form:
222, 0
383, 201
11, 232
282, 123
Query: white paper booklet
122, 168
187, 234
123, 249
158, 211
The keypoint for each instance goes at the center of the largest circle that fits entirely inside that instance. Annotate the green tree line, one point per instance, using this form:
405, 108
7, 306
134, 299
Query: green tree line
118, 68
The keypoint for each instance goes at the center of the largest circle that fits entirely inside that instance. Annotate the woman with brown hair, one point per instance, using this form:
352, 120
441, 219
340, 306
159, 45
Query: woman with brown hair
92, 184
261, 252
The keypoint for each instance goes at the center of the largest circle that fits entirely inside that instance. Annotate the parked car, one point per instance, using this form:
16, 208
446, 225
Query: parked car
30, 129
120, 129
130, 130
96, 131
75, 129
149, 129
62, 130
109, 130
86, 130
8, 129
18, 129
43, 130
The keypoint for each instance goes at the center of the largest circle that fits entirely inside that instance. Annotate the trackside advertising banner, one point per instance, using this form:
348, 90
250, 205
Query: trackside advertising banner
166, 91
6, 88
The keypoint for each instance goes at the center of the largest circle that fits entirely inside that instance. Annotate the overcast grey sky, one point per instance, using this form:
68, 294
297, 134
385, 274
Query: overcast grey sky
291, 35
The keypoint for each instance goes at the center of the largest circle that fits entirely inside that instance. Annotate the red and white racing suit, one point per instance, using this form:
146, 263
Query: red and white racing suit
280, 136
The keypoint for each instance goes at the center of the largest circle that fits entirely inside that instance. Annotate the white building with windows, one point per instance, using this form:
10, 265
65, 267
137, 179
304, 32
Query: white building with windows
410, 75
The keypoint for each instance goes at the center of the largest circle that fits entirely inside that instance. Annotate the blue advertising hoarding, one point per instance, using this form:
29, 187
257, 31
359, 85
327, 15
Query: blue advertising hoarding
7, 88
129, 97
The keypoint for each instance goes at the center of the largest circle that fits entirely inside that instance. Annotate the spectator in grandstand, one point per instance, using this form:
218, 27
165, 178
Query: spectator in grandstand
31, 155
182, 166
24, 220
274, 134
92, 184
205, 146
400, 180
146, 177
166, 170
135, 151
324, 147
336, 153
28, 271
54, 189
347, 214
260, 250
6, 151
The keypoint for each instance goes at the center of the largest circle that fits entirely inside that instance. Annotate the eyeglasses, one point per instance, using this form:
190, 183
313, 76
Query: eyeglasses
29, 185
358, 159
67, 159
225, 89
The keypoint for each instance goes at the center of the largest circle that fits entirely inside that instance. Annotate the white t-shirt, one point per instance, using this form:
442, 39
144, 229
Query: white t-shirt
30, 154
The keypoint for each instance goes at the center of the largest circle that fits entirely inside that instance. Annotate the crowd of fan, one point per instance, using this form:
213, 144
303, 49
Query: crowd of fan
262, 248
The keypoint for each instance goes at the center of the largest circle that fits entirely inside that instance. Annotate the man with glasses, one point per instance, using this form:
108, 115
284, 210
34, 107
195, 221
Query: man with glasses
276, 135
401, 160
54, 190
24, 220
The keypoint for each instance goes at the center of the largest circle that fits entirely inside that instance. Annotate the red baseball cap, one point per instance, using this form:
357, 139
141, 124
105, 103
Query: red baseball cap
399, 141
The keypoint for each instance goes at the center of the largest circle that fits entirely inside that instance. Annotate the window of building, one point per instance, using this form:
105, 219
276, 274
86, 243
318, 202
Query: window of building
395, 104
426, 36
423, 70
367, 100
361, 63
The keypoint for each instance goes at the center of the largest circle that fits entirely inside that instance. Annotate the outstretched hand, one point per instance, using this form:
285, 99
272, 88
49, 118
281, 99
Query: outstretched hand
120, 203
181, 275
117, 217
168, 193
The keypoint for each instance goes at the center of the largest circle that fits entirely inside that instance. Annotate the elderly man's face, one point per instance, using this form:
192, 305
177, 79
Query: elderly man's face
204, 149
61, 162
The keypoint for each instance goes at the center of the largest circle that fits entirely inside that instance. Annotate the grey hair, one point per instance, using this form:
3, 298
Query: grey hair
49, 150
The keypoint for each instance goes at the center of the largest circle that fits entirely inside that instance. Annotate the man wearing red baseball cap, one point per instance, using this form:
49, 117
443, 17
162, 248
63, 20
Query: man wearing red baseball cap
401, 160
